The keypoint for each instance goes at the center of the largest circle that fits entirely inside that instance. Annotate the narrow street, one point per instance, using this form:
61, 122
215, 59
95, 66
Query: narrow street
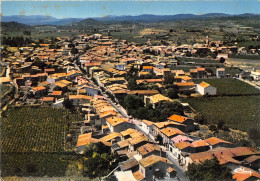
138, 125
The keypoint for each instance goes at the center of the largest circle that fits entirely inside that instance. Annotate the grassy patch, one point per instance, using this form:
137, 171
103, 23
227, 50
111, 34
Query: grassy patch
230, 86
240, 113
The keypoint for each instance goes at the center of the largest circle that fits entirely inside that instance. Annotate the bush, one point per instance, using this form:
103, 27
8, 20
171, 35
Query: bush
220, 124
213, 127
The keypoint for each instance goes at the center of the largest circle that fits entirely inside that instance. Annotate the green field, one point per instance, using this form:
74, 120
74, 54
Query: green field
33, 141
230, 86
238, 112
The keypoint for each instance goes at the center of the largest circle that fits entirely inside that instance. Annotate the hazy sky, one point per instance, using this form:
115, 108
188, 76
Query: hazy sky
84, 9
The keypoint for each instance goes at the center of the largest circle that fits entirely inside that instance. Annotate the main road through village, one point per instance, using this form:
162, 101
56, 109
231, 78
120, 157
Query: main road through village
180, 170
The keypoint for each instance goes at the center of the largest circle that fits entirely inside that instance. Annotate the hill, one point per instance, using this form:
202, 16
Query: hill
39, 20
87, 22
49, 20
14, 25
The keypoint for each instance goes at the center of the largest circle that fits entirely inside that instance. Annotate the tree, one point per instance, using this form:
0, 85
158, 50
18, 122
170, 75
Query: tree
67, 104
171, 93
220, 124
168, 79
98, 160
166, 109
74, 50
171, 30
221, 60
133, 102
208, 170
131, 85
199, 118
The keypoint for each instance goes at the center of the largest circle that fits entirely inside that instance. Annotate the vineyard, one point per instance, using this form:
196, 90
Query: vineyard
238, 112
33, 141
230, 86
29, 129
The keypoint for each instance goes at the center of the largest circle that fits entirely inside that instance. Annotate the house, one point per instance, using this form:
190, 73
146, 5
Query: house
104, 115
181, 138
206, 89
137, 140
160, 65
113, 137
182, 79
253, 162
185, 86
245, 174
142, 93
255, 74
147, 68
155, 99
128, 133
48, 100
130, 164
90, 91
118, 124
121, 145
220, 73
59, 86
5, 80
120, 66
152, 164
39, 91
216, 142
200, 146
171, 172
124, 175
183, 120
77, 100
147, 126
168, 133
83, 140
157, 127
147, 150
222, 55
230, 157
57, 94
178, 149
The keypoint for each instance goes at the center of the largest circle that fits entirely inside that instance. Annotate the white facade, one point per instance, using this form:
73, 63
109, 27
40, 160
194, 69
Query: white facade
210, 90
255, 75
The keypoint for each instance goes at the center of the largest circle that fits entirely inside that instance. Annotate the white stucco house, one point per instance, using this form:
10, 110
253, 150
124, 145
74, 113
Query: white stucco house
206, 89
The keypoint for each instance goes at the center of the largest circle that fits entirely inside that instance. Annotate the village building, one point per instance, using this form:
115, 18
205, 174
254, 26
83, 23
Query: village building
206, 89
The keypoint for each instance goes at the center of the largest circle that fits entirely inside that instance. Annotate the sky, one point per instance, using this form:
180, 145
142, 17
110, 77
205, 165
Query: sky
94, 8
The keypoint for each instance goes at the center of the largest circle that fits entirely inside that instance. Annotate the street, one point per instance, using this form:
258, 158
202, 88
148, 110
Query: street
138, 125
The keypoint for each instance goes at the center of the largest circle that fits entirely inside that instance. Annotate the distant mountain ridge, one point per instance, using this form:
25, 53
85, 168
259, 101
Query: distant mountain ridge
39, 20
48, 20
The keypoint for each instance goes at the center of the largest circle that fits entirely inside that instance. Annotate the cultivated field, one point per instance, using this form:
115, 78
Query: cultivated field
35, 129
238, 112
33, 140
